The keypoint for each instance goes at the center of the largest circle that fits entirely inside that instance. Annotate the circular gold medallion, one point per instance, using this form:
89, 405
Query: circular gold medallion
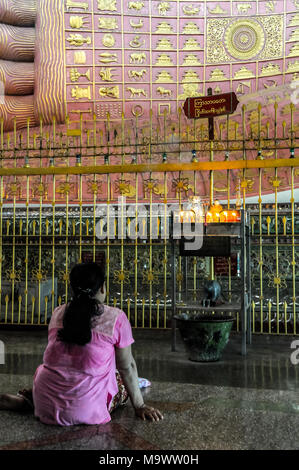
244, 39
108, 40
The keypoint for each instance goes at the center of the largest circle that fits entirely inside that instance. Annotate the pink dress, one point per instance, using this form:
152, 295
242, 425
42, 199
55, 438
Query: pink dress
76, 384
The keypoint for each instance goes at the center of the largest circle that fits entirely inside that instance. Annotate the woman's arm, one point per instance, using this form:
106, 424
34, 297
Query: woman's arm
126, 366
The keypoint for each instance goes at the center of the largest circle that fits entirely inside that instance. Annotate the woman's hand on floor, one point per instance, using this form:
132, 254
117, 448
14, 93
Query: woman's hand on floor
148, 412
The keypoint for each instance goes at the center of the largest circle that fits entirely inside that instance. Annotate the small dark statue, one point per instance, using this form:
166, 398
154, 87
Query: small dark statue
212, 290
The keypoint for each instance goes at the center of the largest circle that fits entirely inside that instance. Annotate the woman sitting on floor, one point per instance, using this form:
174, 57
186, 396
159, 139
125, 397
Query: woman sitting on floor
78, 382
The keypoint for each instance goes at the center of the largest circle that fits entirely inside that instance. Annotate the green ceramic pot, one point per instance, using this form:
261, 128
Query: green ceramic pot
206, 336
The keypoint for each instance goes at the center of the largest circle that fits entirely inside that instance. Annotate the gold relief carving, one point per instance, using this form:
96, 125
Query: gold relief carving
244, 39
243, 7
217, 89
114, 109
135, 6
244, 72
294, 36
164, 44
294, 52
273, 25
108, 5
270, 69
164, 77
78, 40
293, 66
136, 25
77, 22
273, 99
163, 8
296, 4
164, 60
164, 108
190, 10
294, 21
190, 76
191, 60
108, 23
136, 74
217, 74
107, 57
270, 84
191, 28
136, 91
286, 109
108, 40
106, 74
215, 48
75, 75
136, 43
80, 57
137, 58
242, 86
164, 92
137, 110
164, 28
191, 44
189, 90
217, 10
111, 92
81, 5
80, 93
271, 6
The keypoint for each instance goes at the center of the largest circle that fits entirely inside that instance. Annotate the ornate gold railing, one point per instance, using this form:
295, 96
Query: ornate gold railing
55, 180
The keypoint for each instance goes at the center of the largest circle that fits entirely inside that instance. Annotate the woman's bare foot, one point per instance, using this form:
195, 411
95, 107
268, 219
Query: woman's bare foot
13, 402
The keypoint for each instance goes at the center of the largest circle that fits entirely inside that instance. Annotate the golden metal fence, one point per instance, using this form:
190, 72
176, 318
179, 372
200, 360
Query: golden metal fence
56, 182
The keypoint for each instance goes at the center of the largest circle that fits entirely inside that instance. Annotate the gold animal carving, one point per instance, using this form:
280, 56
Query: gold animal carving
78, 40
80, 93
108, 5
136, 91
81, 5
111, 92
136, 5
108, 23
243, 7
164, 91
163, 8
78, 22
190, 10
106, 74
136, 25
75, 75
136, 74
137, 58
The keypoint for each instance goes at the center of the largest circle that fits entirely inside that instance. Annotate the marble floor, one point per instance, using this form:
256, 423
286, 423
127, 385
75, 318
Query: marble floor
237, 403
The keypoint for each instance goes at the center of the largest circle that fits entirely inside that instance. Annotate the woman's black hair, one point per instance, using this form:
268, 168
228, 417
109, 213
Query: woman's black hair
86, 279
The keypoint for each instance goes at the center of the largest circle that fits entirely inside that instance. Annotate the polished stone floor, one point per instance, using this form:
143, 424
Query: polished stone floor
239, 402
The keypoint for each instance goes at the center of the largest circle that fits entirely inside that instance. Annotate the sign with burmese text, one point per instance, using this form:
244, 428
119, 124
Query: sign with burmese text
210, 106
